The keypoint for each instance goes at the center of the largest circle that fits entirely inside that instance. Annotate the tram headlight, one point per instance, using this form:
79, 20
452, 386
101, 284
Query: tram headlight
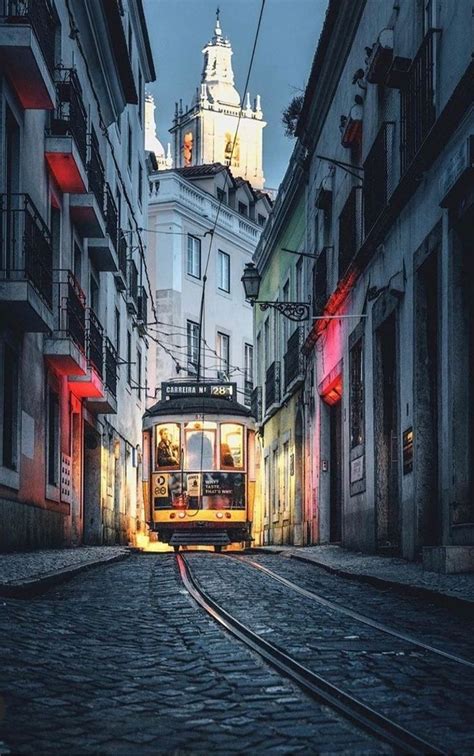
219, 515
182, 515
172, 515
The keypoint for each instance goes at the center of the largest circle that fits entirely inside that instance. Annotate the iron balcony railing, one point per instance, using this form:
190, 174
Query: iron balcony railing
272, 385
378, 169
293, 359
122, 254
110, 364
132, 282
111, 217
96, 171
418, 106
95, 342
71, 310
41, 16
142, 303
26, 251
70, 116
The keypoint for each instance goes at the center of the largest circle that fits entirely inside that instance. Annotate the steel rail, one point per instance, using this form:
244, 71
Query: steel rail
349, 707
351, 613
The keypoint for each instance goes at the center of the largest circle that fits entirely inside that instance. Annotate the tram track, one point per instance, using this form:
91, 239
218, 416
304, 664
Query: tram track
351, 613
348, 706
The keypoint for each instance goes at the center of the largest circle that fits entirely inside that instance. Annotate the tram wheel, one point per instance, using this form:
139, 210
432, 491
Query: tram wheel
176, 549
218, 549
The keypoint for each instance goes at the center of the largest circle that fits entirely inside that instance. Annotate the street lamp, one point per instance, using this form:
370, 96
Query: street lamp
251, 279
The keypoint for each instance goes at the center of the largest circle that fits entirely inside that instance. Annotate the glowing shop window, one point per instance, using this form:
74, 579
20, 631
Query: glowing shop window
232, 446
200, 445
167, 446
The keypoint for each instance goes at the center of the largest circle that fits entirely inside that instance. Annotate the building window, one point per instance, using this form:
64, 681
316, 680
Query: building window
320, 283
129, 148
221, 196
261, 219
53, 436
9, 376
192, 330
194, 257
129, 39
129, 358
140, 183
243, 209
139, 374
348, 232
224, 271
140, 96
299, 280
223, 352
356, 368
94, 292
275, 482
248, 372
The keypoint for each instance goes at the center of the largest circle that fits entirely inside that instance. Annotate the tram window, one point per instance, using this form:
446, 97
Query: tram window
167, 446
200, 444
232, 446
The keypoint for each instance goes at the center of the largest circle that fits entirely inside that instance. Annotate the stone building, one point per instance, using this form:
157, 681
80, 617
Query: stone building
204, 132
387, 127
73, 282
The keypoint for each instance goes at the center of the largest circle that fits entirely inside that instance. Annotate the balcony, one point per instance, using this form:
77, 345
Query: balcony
66, 143
65, 350
90, 385
26, 265
272, 386
418, 107
121, 274
378, 175
293, 360
142, 314
96, 172
132, 288
103, 251
107, 404
87, 209
27, 41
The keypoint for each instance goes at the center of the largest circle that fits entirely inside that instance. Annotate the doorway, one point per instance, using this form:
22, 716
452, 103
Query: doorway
92, 487
427, 410
387, 496
335, 472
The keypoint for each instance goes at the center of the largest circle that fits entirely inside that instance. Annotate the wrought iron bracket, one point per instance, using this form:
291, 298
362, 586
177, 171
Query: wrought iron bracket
297, 311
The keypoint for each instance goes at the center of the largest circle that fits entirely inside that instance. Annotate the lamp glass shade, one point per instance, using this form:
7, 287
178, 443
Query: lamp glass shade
251, 282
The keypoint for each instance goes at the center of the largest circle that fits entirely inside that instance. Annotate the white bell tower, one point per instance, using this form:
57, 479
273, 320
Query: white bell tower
204, 132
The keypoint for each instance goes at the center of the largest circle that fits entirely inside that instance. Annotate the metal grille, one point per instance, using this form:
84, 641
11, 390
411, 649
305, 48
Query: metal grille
418, 109
74, 307
26, 250
272, 385
96, 171
111, 217
42, 17
70, 116
95, 343
293, 359
110, 367
378, 175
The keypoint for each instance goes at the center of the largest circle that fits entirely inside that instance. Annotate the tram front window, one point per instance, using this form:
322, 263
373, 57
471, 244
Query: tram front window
200, 446
232, 446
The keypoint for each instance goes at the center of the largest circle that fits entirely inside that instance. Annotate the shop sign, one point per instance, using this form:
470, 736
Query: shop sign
461, 161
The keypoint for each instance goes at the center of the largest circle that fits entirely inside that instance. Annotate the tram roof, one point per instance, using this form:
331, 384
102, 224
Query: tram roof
204, 405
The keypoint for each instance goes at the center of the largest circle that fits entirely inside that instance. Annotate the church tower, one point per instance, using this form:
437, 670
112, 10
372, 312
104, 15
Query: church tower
204, 132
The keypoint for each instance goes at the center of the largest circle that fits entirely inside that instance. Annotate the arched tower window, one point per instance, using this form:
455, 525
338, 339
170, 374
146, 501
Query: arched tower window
188, 148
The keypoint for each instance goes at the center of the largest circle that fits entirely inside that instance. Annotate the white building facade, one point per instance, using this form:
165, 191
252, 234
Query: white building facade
185, 207
73, 296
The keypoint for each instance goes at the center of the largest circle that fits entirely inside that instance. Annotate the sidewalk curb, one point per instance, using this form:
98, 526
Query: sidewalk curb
36, 586
466, 606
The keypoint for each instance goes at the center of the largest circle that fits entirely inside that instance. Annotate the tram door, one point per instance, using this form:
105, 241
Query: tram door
335, 470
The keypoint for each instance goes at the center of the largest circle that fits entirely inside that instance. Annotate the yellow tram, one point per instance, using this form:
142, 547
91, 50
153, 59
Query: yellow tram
199, 465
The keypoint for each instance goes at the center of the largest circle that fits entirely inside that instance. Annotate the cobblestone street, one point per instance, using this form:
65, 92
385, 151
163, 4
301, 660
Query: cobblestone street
122, 661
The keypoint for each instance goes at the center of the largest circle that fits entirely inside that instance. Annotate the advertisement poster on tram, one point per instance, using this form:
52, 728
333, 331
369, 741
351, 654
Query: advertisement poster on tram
220, 490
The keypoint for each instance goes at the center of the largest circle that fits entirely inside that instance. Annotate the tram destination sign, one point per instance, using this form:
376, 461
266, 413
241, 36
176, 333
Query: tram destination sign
192, 389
